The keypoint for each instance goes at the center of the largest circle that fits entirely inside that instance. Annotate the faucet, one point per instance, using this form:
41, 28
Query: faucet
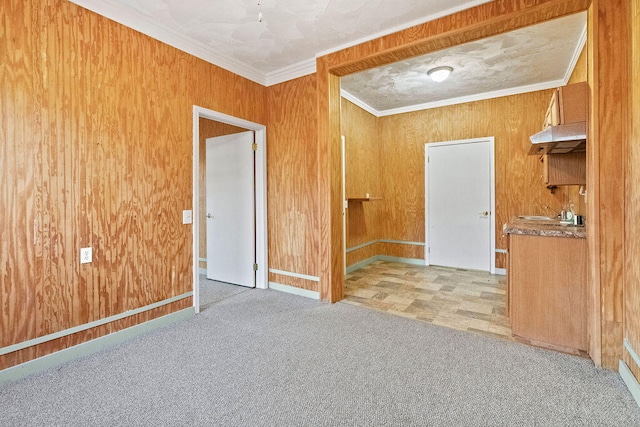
559, 214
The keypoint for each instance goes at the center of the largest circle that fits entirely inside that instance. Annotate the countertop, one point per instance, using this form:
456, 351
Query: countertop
551, 228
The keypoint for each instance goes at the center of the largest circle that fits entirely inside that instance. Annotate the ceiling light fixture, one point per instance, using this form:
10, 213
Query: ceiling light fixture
439, 74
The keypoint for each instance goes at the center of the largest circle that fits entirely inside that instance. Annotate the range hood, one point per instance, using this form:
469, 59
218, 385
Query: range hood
560, 139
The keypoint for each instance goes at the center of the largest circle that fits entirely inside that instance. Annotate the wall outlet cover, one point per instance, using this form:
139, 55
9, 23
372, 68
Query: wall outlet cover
85, 255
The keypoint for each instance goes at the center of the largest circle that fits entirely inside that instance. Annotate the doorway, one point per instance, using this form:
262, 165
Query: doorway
460, 204
230, 207
261, 274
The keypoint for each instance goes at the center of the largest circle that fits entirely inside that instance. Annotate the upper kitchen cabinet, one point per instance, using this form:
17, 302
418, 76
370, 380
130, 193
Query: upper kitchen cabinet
565, 123
568, 105
565, 169
562, 143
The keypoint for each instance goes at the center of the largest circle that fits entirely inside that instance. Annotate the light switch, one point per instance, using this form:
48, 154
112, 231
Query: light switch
187, 217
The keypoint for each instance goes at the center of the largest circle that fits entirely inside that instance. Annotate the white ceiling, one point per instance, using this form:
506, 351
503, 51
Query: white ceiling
533, 58
285, 44
294, 32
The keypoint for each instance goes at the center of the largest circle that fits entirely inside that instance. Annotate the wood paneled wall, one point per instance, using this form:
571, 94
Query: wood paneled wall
495, 17
632, 199
520, 188
362, 172
580, 71
292, 181
96, 131
608, 47
400, 168
208, 129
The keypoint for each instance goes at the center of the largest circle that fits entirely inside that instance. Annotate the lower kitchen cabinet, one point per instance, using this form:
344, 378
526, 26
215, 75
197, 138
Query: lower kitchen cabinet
547, 290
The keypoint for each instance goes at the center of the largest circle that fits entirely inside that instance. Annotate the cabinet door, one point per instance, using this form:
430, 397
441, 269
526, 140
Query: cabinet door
573, 103
565, 169
552, 116
548, 287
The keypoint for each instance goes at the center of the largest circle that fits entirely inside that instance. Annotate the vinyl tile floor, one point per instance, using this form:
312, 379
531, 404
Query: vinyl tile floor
467, 300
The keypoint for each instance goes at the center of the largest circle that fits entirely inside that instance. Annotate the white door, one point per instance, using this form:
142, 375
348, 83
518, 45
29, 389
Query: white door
231, 249
459, 199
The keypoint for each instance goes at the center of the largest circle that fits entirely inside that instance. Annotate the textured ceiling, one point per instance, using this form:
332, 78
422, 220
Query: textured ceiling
513, 62
293, 32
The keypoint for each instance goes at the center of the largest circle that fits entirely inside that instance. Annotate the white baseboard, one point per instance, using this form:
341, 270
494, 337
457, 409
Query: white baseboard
58, 358
295, 291
373, 259
630, 380
203, 271
359, 265
501, 271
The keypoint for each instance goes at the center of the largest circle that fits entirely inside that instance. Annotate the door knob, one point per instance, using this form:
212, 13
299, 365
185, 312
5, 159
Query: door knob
484, 213
209, 215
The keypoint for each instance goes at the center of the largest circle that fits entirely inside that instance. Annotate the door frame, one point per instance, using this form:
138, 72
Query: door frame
492, 192
262, 274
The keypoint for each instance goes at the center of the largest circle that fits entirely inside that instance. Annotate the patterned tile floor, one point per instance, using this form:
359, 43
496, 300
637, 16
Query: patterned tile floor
461, 299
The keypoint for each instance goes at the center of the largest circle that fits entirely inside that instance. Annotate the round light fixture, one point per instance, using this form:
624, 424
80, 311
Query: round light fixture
439, 74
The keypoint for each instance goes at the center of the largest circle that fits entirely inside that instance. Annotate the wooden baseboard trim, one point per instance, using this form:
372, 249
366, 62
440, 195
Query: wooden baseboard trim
59, 357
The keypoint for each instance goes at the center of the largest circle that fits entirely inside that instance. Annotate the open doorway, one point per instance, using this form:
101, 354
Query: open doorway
207, 124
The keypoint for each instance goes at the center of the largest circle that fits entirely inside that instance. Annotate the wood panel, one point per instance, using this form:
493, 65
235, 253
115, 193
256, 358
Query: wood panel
296, 282
97, 120
632, 199
362, 254
30, 353
292, 177
608, 44
329, 183
579, 73
401, 250
489, 19
208, 129
362, 174
362, 151
520, 187
547, 293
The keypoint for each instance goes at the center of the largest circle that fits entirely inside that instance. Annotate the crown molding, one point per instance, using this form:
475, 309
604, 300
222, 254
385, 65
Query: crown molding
576, 55
290, 72
357, 101
453, 101
135, 20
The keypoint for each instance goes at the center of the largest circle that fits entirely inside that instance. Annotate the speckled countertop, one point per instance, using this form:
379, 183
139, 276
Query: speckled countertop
549, 228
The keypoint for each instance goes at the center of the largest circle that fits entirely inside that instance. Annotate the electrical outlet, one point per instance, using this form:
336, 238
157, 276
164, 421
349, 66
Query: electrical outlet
187, 217
85, 255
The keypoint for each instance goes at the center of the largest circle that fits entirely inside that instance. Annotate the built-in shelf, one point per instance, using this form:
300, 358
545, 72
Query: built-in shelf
363, 199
